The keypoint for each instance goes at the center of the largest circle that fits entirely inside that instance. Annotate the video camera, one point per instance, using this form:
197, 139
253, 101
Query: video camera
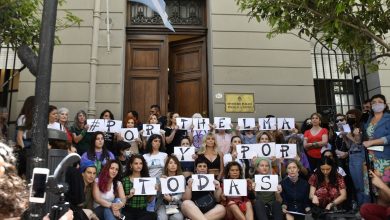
42, 183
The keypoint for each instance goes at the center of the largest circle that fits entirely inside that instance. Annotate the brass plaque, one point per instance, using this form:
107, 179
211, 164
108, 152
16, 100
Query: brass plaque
239, 102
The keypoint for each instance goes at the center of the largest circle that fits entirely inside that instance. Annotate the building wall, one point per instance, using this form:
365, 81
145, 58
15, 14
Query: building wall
278, 70
71, 61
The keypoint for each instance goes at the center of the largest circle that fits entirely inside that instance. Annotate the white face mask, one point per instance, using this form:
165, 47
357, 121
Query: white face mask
378, 107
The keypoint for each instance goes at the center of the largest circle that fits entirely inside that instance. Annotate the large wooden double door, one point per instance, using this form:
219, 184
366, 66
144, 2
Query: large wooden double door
171, 74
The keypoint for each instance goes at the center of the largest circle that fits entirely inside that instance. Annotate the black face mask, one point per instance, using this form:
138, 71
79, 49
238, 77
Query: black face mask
365, 116
351, 121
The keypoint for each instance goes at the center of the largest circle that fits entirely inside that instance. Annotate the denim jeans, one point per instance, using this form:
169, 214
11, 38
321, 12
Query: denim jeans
106, 213
356, 161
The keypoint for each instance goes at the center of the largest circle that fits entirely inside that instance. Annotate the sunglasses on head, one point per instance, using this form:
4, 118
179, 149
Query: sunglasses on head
340, 120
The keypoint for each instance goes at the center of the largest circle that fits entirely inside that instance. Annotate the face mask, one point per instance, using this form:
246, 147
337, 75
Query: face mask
127, 153
365, 116
378, 107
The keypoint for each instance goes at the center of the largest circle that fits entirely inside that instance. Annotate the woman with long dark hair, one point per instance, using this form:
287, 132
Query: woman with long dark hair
108, 192
23, 135
97, 152
327, 187
135, 208
155, 156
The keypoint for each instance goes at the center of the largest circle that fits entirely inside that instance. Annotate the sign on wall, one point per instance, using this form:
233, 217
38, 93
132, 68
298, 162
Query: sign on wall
239, 102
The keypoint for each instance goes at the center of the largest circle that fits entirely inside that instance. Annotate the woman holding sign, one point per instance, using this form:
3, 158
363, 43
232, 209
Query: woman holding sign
186, 166
237, 207
169, 204
137, 144
314, 140
135, 208
202, 205
172, 133
232, 156
267, 203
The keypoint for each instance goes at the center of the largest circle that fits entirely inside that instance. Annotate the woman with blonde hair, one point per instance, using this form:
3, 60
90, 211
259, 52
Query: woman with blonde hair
213, 157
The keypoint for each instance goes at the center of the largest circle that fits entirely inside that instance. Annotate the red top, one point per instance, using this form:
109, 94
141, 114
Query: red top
315, 152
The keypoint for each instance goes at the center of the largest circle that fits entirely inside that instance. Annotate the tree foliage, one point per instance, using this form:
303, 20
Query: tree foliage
357, 26
20, 22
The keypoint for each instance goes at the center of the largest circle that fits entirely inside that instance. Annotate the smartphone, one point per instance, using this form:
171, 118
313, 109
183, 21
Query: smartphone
38, 185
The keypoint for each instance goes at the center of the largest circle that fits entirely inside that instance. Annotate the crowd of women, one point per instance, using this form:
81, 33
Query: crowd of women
329, 172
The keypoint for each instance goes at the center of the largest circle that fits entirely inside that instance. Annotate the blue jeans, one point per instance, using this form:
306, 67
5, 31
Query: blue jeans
356, 161
106, 213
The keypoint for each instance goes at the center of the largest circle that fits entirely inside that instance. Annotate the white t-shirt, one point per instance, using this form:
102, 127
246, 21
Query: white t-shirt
21, 123
155, 163
109, 196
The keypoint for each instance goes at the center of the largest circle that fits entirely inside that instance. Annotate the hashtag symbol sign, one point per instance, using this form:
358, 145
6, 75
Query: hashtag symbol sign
94, 125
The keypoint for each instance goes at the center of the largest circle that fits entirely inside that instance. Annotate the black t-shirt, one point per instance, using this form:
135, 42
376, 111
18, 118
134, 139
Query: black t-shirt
176, 139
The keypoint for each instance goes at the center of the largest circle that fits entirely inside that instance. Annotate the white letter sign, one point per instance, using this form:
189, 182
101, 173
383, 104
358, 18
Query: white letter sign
150, 129
266, 149
267, 124
222, 122
266, 183
201, 124
247, 151
246, 123
234, 187
203, 182
286, 123
286, 150
129, 134
95, 125
112, 126
145, 186
184, 123
173, 184
184, 153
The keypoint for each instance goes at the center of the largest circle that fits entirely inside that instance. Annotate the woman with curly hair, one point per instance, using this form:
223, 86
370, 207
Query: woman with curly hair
13, 189
237, 207
135, 207
108, 192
